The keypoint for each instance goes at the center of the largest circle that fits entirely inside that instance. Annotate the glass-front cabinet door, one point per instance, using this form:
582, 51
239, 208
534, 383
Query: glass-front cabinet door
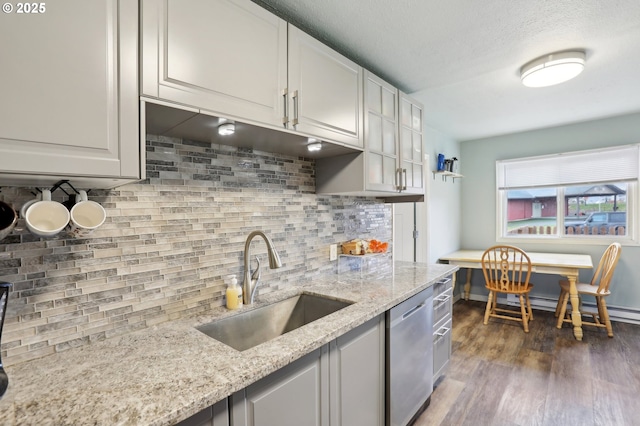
381, 134
411, 157
393, 135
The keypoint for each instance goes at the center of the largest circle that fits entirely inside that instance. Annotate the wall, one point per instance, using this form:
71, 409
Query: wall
444, 197
167, 243
479, 197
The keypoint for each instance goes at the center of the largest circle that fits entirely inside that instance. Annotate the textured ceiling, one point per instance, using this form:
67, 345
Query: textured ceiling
461, 58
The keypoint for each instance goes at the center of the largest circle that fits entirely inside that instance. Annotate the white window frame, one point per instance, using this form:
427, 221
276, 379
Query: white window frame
633, 198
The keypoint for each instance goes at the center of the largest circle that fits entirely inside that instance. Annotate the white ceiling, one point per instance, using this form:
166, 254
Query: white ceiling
461, 58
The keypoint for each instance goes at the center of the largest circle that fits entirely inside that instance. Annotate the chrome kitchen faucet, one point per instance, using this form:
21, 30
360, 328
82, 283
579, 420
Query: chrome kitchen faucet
250, 283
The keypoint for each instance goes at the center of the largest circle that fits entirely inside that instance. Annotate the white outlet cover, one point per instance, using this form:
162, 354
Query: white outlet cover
333, 252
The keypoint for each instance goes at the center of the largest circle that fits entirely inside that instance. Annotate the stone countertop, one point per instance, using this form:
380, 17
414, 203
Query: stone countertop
168, 372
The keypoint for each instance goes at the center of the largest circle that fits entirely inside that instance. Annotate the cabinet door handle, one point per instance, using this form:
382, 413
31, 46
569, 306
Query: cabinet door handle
442, 298
294, 96
441, 333
404, 181
399, 180
285, 117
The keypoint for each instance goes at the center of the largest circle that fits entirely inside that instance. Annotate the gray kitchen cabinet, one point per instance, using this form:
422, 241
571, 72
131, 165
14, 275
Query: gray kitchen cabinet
228, 57
70, 103
325, 91
340, 384
234, 59
297, 394
357, 380
392, 163
216, 415
442, 320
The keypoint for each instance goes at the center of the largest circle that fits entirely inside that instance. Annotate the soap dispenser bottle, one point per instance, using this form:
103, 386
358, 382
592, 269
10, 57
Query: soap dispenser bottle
234, 293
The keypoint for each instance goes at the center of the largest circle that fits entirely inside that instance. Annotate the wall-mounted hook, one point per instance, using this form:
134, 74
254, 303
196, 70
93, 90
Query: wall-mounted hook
72, 187
58, 185
62, 189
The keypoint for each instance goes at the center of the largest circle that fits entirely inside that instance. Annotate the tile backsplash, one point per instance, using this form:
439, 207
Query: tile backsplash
168, 241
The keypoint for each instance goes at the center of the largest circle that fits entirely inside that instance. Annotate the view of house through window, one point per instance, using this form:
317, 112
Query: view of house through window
599, 209
532, 211
575, 195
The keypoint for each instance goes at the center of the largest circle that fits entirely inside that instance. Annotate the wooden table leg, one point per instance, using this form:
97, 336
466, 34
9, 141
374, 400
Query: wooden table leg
467, 284
576, 318
454, 280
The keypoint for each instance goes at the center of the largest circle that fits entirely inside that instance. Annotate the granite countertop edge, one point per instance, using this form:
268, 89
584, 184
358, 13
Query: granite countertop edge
166, 373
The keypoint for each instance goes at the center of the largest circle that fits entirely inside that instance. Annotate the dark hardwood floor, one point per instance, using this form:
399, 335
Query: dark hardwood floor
500, 375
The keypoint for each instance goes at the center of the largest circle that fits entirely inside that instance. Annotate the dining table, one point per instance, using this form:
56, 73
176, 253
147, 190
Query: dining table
564, 264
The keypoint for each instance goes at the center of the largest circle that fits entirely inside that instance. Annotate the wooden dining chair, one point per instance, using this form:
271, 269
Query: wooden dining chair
598, 288
507, 269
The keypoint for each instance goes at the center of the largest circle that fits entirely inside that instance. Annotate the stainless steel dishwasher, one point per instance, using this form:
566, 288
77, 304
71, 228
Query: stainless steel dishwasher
409, 341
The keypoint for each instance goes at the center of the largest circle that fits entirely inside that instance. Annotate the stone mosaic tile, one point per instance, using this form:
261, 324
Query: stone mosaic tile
168, 241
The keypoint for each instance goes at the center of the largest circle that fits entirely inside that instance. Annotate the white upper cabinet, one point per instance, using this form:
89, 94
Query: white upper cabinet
393, 139
69, 94
234, 59
325, 91
411, 163
381, 133
392, 163
228, 57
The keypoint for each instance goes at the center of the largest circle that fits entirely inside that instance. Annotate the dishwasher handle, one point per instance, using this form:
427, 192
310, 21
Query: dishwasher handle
412, 311
409, 313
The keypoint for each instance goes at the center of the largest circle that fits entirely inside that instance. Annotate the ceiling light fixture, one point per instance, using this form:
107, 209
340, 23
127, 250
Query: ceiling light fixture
314, 145
226, 129
553, 68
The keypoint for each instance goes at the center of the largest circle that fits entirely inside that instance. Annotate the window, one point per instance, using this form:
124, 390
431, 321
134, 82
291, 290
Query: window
584, 195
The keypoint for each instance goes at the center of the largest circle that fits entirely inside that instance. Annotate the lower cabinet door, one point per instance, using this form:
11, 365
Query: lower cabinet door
441, 350
295, 395
442, 306
357, 376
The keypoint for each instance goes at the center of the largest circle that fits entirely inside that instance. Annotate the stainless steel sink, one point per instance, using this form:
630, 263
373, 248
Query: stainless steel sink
251, 328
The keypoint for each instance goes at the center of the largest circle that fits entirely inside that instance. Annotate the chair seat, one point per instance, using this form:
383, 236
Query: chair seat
588, 289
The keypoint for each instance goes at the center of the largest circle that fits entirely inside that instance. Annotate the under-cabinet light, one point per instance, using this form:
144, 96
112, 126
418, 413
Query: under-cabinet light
314, 146
226, 129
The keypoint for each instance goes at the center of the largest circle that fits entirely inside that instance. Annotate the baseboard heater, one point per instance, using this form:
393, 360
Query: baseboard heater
616, 313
